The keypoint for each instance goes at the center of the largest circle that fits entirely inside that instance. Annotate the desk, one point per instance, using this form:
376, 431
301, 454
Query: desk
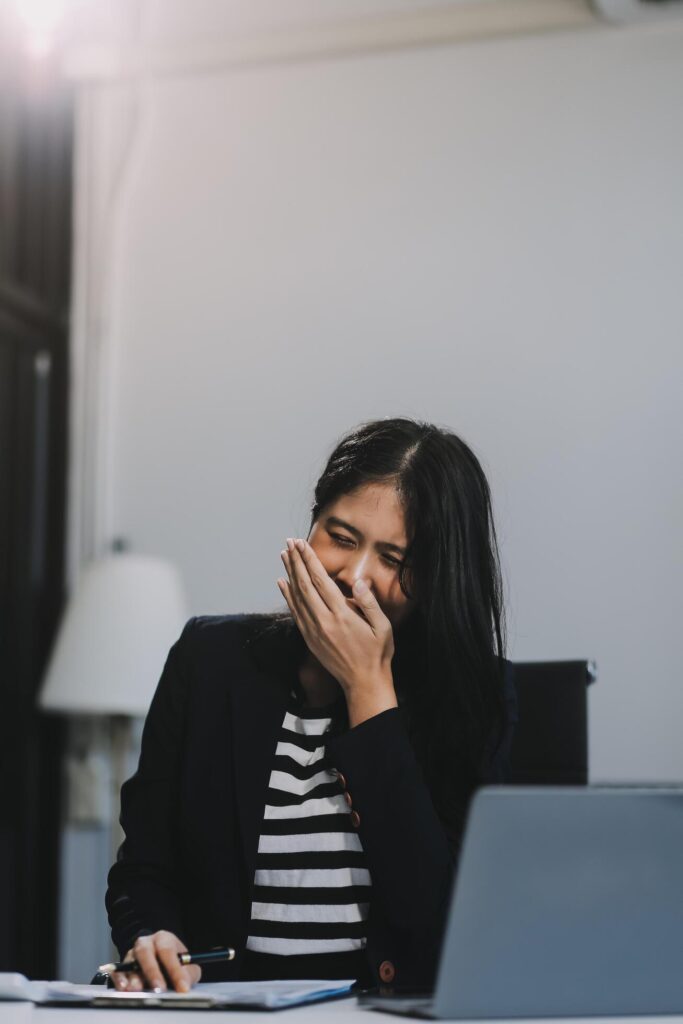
338, 1011
343, 1011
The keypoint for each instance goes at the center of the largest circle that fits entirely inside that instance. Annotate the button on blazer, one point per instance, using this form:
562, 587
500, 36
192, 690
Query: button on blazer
193, 810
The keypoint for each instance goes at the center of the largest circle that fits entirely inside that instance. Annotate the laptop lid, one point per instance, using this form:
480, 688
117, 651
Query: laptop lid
568, 902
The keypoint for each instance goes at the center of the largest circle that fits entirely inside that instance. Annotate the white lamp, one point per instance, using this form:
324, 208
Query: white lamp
126, 612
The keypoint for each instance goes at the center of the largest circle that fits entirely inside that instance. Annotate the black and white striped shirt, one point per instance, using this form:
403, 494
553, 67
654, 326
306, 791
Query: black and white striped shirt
311, 886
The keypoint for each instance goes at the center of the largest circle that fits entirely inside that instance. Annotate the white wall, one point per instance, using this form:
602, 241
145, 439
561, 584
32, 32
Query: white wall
489, 236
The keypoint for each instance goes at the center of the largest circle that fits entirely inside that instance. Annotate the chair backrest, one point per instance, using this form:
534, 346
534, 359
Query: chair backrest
550, 744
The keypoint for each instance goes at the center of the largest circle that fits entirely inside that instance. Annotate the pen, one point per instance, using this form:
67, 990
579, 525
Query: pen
214, 956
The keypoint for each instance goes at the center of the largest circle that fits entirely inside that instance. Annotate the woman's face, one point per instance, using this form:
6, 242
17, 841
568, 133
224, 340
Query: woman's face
362, 535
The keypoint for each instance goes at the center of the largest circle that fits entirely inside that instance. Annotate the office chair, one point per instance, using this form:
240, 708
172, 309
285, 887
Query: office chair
550, 743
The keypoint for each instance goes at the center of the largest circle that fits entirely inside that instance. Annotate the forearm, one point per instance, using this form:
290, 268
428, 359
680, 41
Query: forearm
409, 855
139, 906
143, 894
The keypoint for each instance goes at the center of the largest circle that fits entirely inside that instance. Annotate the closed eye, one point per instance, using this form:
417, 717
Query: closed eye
346, 542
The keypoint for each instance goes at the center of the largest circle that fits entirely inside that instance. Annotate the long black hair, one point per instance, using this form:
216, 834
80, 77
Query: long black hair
449, 653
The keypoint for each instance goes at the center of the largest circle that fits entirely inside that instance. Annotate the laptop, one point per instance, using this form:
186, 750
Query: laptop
568, 903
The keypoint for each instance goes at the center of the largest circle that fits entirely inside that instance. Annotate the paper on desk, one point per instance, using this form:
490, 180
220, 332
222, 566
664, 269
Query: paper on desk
268, 995
273, 994
15, 986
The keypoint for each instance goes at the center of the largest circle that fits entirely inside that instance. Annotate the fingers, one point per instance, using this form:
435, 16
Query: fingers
160, 967
314, 576
178, 976
293, 603
311, 577
121, 980
296, 580
135, 982
300, 604
145, 954
286, 592
312, 590
369, 605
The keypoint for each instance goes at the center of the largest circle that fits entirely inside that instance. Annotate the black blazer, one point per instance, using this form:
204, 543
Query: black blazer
193, 810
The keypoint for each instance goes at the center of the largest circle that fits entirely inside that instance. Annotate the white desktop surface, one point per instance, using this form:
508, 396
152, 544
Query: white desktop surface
342, 1011
345, 1011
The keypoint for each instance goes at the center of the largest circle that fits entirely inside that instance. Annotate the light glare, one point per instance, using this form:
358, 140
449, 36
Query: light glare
41, 20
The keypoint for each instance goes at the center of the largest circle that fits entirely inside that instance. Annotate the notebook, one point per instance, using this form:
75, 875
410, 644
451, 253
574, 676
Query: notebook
568, 902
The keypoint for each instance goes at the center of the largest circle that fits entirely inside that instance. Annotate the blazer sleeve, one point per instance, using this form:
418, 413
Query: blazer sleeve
410, 855
143, 885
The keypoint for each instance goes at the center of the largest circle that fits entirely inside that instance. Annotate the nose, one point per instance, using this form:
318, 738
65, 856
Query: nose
357, 565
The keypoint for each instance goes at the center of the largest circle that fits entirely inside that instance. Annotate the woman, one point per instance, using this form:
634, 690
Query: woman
304, 776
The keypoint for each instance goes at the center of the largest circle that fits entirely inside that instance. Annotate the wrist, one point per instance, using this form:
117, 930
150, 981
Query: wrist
369, 697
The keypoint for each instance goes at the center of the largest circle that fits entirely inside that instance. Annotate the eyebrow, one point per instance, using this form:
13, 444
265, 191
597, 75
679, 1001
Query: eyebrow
335, 521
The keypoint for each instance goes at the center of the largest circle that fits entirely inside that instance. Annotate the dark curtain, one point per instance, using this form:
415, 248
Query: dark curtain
35, 202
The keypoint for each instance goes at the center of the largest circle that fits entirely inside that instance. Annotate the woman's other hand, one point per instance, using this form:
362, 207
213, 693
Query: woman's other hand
154, 952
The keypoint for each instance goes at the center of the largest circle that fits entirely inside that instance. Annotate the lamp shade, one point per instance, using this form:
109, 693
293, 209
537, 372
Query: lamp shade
126, 612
